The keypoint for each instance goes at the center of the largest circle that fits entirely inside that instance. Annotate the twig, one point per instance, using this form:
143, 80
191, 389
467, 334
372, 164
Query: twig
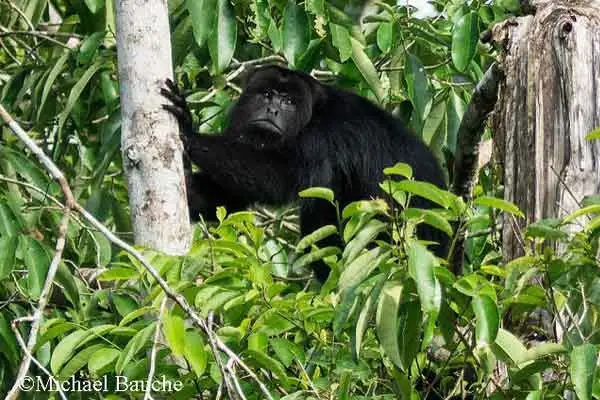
15, 328
147, 394
225, 376
179, 299
36, 34
43, 302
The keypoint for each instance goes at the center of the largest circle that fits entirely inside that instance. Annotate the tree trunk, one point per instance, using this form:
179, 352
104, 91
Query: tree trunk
549, 101
152, 151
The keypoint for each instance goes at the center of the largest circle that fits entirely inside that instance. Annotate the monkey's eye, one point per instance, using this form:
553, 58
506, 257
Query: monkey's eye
268, 94
288, 100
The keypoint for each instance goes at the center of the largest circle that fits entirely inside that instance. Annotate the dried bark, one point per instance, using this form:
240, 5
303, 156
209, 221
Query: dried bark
549, 101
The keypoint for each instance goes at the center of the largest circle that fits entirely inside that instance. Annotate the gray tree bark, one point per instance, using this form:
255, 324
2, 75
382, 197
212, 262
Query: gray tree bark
150, 144
548, 102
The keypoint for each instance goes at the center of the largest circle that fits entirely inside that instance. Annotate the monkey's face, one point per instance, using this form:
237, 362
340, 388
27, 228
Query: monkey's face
276, 104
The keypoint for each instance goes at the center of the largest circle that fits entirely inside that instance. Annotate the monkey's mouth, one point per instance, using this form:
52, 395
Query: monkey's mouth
265, 125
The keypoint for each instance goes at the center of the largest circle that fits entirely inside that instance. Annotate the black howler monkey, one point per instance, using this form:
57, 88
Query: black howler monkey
288, 132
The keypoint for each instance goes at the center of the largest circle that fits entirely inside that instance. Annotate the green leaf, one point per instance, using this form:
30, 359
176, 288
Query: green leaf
417, 86
487, 319
272, 323
314, 256
593, 135
367, 69
222, 41
124, 303
79, 360
366, 314
94, 6
425, 190
343, 309
318, 193
365, 236
88, 48
8, 247
269, 363
134, 346
102, 360
295, 32
500, 204
510, 5
195, 352
76, 91
464, 40
54, 73
401, 169
384, 37
174, 330
592, 209
359, 269
582, 369
378, 206
340, 37
110, 89
135, 314
430, 217
544, 350
454, 112
202, 16
421, 265
409, 328
37, 261
275, 36
8, 342
118, 273
387, 321
65, 348
258, 341
508, 345
287, 351
67, 282
547, 229
9, 225
313, 237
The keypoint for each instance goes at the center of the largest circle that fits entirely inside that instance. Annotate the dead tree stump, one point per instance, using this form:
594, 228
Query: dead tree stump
549, 101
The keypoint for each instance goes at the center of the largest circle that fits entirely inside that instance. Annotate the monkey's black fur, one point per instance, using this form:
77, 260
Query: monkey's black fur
288, 132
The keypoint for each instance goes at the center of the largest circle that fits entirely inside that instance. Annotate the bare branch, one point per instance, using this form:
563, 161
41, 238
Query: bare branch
161, 313
43, 302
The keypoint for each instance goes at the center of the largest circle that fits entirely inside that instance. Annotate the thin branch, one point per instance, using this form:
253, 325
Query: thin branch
225, 376
41, 35
15, 328
470, 131
36, 319
161, 313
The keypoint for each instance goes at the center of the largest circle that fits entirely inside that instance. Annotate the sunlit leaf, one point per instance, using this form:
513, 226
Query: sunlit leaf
464, 40
223, 38
295, 32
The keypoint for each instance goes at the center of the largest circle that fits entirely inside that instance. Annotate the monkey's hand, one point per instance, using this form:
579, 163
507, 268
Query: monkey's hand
179, 108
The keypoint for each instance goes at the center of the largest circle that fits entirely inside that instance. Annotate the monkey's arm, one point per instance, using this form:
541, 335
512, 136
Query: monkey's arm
242, 169
230, 169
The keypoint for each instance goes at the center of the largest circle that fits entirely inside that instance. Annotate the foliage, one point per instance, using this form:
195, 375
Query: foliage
391, 322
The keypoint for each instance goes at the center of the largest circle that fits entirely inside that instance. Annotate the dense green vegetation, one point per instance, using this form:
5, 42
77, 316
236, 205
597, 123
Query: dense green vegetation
391, 322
